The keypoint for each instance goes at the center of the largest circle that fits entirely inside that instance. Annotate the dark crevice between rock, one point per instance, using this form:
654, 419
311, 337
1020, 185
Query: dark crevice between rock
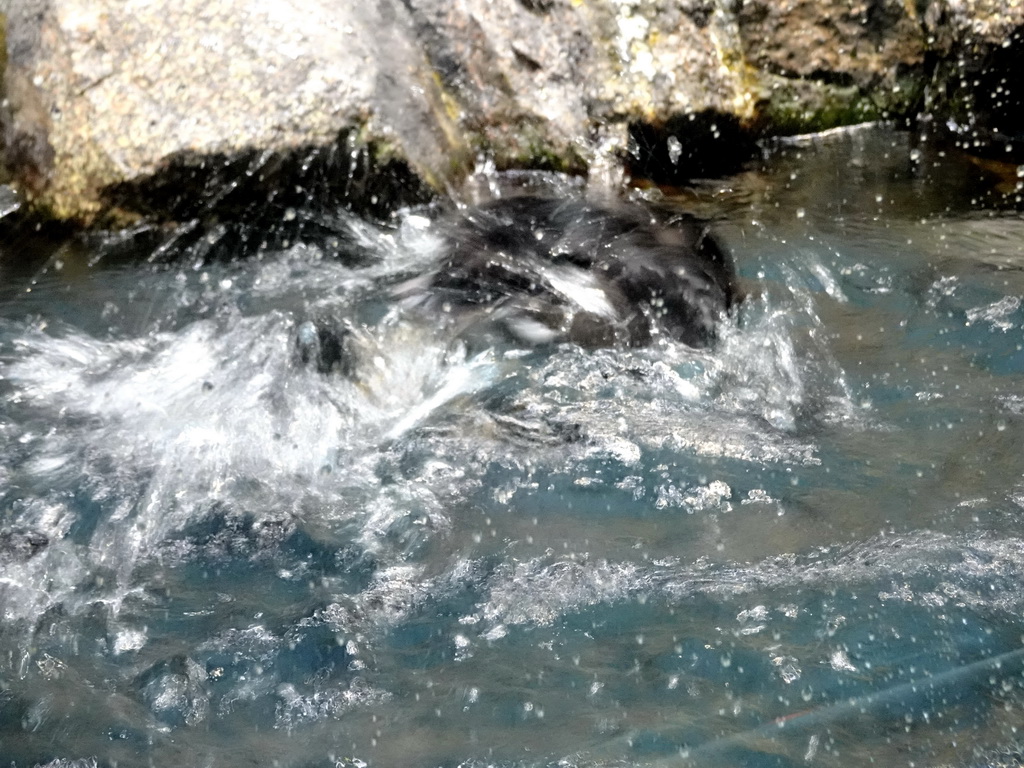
435, 46
686, 147
700, 13
980, 99
453, 58
879, 18
525, 60
221, 207
28, 240
357, 176
826, 77
540, 7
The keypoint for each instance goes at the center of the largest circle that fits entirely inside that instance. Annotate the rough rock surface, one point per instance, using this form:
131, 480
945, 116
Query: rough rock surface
106, 92
104, 95
856, 60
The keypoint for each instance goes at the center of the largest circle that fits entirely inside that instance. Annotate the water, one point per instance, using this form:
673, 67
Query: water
803, 547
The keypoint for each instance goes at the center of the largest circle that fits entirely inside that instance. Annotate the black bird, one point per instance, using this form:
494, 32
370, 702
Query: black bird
534, 270
547, 270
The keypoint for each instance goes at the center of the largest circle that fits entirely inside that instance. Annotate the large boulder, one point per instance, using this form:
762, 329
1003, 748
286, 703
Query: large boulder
122, 106
107, 92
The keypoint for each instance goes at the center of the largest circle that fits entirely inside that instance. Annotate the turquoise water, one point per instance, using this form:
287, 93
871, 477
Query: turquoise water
803, 547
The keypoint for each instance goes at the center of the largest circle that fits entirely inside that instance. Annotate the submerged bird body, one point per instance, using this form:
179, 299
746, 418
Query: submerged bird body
532, 271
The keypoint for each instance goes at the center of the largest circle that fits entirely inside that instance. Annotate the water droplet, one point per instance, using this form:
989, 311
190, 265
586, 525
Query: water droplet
675, 149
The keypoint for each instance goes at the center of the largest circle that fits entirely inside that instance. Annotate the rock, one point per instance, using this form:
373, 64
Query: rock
133, 105
976, 93
833, 63
103, 94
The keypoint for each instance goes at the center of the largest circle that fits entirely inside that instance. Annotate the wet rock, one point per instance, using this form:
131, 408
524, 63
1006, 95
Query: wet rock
832, 63
136, 107
976, 94
107, 94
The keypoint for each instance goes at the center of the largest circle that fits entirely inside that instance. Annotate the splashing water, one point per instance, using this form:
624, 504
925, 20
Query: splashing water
468, 554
